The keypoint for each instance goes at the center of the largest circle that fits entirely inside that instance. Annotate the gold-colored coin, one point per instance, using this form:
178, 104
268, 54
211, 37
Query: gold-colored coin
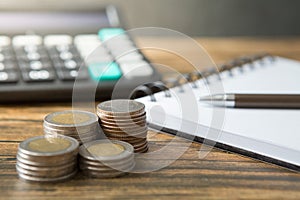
49, 144
106, 149
71, 118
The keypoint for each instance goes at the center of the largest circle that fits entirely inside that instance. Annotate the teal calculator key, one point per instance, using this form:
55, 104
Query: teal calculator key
105, 71
107, 33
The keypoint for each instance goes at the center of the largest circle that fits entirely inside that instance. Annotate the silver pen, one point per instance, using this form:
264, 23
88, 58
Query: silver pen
253, 100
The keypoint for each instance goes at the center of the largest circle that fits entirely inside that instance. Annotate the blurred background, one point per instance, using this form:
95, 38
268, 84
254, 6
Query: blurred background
192, 17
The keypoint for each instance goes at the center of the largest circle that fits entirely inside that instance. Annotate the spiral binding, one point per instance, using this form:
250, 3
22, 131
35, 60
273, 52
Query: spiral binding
150, 89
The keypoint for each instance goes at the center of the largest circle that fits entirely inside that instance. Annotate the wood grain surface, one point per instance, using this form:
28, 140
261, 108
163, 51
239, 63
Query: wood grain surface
220, 175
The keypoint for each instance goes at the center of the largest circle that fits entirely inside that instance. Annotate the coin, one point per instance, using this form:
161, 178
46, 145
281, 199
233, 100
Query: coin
121, 107
42, 161
124, 120
80, 125
115, 116
93, 174
51, 173
47, 168
124, 124
104, 158
111, 119
108, 168
108, 155
39, 179
47, 159
98, 163
70, 119
48, 146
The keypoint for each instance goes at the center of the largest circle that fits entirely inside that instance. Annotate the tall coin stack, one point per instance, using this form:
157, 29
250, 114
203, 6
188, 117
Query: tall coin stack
124, 120
80, 125
47, 159
106, 159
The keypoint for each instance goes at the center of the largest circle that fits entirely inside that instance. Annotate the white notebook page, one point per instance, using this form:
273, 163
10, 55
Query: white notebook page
273, 133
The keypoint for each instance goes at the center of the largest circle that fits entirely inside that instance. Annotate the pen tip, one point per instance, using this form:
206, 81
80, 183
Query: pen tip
205, 98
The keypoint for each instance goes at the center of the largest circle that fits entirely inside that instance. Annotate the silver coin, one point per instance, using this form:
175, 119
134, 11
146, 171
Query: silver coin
123, 167
121, 107
45, 162
93, 174
53, 173
47, 167
108, 163
39, 179
105, 164
88, 129
42, 146
70, 119
125, 153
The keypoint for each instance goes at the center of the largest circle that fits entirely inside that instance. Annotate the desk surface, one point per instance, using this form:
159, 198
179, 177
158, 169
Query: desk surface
219, 175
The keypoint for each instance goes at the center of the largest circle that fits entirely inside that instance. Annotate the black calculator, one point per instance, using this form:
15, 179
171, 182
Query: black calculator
43, 53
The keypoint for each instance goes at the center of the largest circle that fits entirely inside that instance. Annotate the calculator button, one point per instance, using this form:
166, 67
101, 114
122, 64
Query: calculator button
121, 50
98, 58
66, 55
31, 48
86, 39
38, 75
8, 77
87, 44
8, 65
104, 71
71, 64
136, 69
68, 64
24, 40
61, 48
4, 41
55, 40
117, 43
132, 56
107, 33
70, 75
2, 57
33, 56
36, 65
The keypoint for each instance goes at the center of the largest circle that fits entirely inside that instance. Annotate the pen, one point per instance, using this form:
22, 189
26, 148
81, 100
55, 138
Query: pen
253, 100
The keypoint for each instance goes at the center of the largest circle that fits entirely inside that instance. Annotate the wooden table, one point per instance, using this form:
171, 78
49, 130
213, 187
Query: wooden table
221, 175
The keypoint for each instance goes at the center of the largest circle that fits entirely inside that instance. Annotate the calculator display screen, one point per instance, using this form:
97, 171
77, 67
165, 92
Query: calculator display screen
53, 22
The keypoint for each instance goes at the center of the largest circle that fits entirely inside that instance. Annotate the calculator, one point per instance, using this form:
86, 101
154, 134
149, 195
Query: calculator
43, 53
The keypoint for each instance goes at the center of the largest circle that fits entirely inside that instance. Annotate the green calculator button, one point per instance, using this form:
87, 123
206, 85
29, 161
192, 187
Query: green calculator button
105, 71
107, 33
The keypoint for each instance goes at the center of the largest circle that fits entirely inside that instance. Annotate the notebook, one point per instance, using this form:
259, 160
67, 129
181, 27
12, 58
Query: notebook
271, 135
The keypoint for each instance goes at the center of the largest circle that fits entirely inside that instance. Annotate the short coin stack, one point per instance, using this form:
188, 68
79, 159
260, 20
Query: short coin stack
47, 159
106, 159
80, 125
124, 120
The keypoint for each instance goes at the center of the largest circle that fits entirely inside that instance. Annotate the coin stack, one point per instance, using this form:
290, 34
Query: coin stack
106, 159
80, 125
47, 159
124, 120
